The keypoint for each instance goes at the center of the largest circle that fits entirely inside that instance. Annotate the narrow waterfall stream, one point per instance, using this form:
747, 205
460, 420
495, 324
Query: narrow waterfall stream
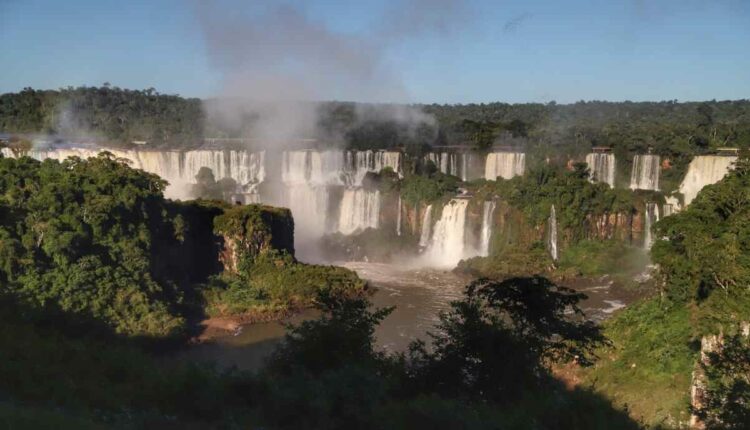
424, 237
651, 217
552, 234
488, 210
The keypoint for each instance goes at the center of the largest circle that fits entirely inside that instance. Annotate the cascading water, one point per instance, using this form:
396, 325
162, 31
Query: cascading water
671, 205
309, 206
179, 168
651, 217
704, 170
488, 210
504, 164
398, 217
424, 237
446, 162
552, 234
645, 173
602, 167
448, 238
360, 209
359, 163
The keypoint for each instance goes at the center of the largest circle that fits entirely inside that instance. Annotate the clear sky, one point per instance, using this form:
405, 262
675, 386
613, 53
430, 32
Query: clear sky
475, 51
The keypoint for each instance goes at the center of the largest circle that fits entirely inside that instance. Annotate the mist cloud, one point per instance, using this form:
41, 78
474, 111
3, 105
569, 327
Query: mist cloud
276, 61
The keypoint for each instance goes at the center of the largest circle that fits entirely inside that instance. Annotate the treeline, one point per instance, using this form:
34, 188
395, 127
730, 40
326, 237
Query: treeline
670, 128
105, 114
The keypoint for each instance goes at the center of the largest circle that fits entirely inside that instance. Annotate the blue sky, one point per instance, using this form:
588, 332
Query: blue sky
511, 51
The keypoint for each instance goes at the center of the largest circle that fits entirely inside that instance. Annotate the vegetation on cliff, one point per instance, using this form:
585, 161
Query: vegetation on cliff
519, 237
703, 265
95, 241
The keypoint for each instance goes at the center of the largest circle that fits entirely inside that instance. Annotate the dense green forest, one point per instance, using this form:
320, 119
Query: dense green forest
104, 114
95, 241
117, 115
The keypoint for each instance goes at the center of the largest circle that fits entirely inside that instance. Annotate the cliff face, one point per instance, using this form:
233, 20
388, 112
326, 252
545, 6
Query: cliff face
251, 231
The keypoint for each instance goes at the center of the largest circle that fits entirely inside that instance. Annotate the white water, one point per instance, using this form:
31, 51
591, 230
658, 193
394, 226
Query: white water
488, 210
448, 238
446, 162
504, 164
671, 205
645, 173
602, 167
360, 209
398, 218
704, 170
424, 237
309, 206
179, 168
552, 235
651, 217
359, 163
7, 153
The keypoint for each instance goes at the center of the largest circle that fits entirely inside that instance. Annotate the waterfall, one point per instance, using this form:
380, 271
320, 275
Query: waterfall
671, 205
552, 235
398, 218
446, 162
448, 237
424, 237
309, 206
484, 244
602, 167
465, 163
359, 210
359, 163
704, 170
7, 153
178, 167
651, 217
505, 165
645, 173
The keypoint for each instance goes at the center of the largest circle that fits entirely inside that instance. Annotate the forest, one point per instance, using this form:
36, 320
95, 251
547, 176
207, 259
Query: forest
113, 115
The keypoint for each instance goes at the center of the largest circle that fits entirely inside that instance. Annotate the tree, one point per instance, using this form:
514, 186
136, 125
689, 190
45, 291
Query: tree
502, 337
727, 395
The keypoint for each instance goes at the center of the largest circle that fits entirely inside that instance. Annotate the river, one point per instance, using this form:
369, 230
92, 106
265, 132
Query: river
418, 295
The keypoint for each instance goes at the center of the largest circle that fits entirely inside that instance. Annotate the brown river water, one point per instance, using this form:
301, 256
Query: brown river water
419, 295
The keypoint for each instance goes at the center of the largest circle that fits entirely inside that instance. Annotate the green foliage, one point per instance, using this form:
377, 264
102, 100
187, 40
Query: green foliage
344, 334
79, 236
576, 199
275, 282
416, 189
499, 339
254, 230
727, 395
511, 261
597, 258
647, 368
704, 251
120, 115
